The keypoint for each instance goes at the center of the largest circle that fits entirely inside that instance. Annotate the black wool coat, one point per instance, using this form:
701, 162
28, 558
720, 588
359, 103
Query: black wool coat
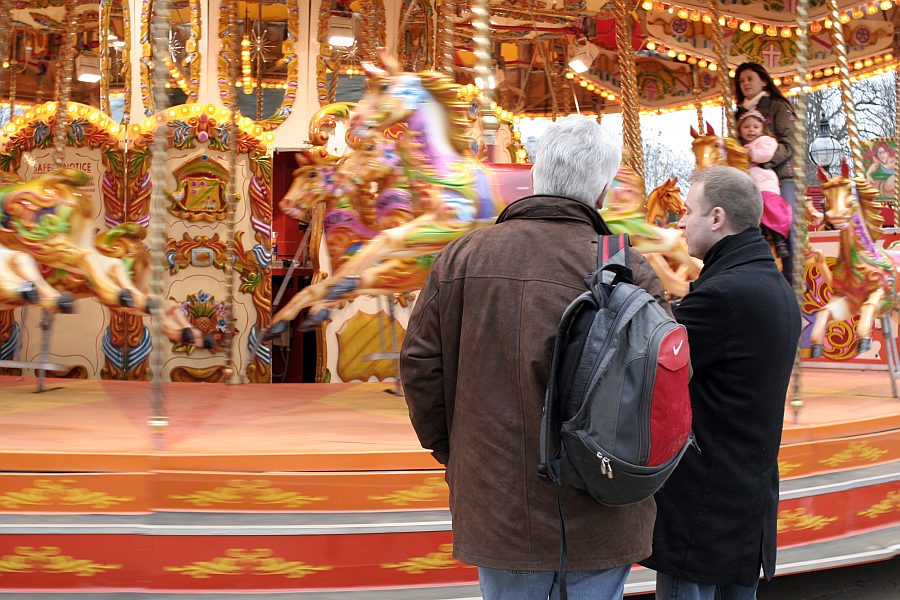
717, 513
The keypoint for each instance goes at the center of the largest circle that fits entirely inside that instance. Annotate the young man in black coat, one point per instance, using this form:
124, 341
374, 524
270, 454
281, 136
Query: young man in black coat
716, 521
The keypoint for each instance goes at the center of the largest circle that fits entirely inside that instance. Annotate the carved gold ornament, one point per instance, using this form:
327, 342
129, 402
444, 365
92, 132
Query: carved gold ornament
239, 491
798, 519
238, 561
50, 560
47, 492
855, 452
890, 503
442, 559
433, 489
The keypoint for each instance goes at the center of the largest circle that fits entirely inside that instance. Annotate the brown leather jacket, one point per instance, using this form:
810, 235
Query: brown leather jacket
475, 364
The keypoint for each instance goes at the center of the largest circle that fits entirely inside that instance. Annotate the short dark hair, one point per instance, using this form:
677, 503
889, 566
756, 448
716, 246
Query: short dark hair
734, 191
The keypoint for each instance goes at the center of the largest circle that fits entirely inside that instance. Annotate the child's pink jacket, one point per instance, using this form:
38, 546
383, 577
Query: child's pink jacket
759, 151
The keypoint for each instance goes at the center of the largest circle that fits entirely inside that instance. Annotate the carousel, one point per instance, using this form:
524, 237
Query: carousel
215, 218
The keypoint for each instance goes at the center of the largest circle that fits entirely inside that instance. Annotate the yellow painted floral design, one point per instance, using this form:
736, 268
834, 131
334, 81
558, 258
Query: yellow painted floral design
239, 491
434, 488
238, 561
855, 452
799, 520
46, 492
442, 559
785, 467
890, 503
50, 560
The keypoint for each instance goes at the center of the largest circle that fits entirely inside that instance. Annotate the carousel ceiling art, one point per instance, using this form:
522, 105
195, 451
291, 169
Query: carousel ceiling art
535, 44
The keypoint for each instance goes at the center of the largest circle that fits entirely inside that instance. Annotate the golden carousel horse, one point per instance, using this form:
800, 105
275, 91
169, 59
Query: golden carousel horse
712, 149
665, 205
864, 277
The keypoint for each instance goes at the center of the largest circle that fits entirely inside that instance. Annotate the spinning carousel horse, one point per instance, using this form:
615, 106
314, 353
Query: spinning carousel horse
864, 278
48, 219
21, 283
449, 185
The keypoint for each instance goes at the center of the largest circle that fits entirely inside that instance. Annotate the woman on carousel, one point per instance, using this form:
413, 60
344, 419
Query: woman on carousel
755, 90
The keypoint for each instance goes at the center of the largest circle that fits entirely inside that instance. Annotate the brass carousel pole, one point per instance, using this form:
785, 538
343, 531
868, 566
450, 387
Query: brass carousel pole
698, 103
104, 56
5, 41
258, 49
484, 69
446, 50
719, 45
64, 83
159, 20
897, 141
840, 46
631, 123
231, 197
800, 231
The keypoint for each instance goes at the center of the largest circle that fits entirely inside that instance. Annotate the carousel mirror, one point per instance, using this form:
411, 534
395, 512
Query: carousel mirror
182, 59
32, 56
349, 33
415, 44
265, 52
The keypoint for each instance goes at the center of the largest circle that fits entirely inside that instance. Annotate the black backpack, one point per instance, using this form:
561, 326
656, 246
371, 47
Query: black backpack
617, 412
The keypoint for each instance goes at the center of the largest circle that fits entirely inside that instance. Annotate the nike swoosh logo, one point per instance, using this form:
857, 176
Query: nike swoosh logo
677, 348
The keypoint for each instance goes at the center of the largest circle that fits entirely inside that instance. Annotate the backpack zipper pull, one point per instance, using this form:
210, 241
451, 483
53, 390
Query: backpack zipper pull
608, 470
603, 462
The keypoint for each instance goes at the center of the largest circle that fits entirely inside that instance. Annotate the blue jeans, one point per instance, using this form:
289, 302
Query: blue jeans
497, 584
669, 587
789, 193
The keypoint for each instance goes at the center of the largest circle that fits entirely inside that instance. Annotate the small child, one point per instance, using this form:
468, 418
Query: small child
777, 213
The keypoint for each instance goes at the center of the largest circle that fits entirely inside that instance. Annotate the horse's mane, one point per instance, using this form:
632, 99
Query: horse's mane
869, 208
445, 91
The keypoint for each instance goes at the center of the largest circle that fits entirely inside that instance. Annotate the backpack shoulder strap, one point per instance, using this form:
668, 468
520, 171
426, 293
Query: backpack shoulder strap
612, 250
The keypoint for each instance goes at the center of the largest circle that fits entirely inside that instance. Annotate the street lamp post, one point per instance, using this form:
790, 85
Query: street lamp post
824, 150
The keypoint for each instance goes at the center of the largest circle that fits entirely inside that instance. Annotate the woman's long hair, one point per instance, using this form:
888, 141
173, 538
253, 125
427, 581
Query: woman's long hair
769, 85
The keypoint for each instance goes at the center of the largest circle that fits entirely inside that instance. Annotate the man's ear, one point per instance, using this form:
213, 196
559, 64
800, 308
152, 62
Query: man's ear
719, 219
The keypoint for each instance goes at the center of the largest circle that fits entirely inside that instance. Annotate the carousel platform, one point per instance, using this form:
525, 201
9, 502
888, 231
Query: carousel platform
322, 490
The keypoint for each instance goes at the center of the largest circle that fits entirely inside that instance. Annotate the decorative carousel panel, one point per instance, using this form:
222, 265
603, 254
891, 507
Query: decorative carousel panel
264, 47
183, 58
866, 38
63, 218
197, 246
348, 33
660, 83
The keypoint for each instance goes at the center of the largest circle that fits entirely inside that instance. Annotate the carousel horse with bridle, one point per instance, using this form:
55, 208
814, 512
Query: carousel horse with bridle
49, 219
864, 277
665, 205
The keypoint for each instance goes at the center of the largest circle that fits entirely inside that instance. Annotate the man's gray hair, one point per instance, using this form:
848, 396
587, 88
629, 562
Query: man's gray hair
577, 159
734, 191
